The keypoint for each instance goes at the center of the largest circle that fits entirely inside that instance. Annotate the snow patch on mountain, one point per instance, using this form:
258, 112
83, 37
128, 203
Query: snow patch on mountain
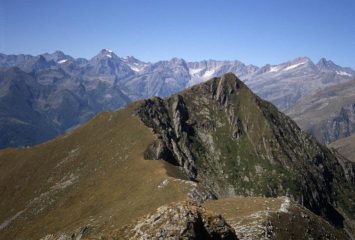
274, 69
135, 69
62, 61
194, 71
209, 73
342, 73
295, 65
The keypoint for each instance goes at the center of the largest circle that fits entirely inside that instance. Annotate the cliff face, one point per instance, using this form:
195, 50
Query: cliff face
234, 143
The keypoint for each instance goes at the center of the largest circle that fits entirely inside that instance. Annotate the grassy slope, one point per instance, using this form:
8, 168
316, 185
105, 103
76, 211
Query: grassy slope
95, 175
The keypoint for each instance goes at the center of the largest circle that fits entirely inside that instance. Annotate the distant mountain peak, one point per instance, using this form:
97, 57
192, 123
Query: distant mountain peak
58, 52
106, 53
57, 56
177, 60
105, 50
301, 60
324, 64
132, 60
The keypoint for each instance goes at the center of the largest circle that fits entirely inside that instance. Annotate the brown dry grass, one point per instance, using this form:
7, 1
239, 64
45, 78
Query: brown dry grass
113, 184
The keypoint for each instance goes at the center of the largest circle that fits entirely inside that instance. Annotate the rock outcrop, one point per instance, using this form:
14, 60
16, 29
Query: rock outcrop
173, 132
183, 220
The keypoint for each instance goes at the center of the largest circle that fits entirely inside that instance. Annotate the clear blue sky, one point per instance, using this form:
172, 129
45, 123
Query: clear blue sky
253, 31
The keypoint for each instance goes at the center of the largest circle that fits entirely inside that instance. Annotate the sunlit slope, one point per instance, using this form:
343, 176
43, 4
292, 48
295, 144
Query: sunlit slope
95, 176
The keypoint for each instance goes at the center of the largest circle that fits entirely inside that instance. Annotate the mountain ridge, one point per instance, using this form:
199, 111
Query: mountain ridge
108, 82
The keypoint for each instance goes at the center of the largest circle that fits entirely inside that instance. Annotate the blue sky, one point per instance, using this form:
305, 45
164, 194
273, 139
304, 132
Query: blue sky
253, 31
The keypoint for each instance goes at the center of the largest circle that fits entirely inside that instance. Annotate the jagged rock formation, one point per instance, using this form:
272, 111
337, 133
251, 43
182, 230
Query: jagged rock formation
234, 143
173, 138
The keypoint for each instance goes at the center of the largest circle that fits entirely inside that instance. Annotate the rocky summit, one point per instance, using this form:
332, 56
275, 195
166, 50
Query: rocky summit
212, 162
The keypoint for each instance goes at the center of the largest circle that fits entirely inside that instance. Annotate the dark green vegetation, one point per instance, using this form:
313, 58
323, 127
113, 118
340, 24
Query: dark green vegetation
94, 181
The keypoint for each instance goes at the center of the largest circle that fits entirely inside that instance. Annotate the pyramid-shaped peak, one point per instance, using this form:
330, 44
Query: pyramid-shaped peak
220, 87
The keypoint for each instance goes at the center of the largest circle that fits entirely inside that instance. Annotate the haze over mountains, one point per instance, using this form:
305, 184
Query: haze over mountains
43, 96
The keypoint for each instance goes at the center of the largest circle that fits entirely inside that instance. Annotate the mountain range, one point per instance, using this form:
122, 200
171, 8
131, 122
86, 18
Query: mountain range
43, 96
214, 161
